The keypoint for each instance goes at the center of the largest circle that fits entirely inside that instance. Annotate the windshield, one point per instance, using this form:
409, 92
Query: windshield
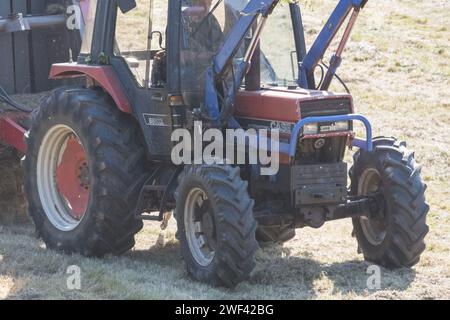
278, 54
89, 13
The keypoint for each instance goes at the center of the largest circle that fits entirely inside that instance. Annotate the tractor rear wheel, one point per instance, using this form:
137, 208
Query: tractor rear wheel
216, 226
396, 238
83, 160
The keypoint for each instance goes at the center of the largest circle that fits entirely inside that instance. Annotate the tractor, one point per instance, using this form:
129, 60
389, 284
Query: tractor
98, 156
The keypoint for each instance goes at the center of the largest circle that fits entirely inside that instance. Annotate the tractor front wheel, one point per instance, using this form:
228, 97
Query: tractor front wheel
395, 238
215, 224
84, 157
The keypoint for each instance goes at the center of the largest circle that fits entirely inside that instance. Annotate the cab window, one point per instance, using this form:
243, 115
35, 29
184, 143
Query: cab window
140, 38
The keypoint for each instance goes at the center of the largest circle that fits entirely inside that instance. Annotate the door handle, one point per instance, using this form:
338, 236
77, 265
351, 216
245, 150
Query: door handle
157, 97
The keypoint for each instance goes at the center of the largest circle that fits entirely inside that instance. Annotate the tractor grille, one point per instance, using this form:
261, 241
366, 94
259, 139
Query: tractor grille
326, 107
334, 148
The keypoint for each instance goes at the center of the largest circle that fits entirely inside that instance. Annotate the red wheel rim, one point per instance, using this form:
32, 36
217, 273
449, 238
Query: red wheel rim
72, 177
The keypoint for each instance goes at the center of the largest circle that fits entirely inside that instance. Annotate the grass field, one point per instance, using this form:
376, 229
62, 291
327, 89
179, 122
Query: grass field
398, 68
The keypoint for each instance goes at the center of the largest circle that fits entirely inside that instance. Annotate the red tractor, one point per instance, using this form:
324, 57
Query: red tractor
99, 157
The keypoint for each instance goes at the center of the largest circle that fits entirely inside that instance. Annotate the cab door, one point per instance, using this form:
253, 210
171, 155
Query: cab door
139, 56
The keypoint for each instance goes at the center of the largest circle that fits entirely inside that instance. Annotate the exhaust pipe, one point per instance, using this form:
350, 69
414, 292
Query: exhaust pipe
18, 22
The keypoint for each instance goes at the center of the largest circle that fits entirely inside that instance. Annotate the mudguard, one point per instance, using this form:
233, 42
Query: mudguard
104, 76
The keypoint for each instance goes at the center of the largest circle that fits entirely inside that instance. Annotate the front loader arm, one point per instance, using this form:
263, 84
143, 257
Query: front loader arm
321, 44
249, 15
221, 115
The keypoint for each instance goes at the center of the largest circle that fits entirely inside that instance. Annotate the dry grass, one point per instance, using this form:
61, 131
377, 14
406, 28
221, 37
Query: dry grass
398, 68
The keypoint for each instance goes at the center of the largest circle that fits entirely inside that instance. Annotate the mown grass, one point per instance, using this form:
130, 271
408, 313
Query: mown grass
397, 66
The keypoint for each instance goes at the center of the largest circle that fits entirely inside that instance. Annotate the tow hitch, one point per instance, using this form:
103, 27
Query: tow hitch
371, 206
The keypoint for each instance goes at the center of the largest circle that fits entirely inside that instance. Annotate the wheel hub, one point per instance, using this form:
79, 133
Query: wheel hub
207, 226
72, 177
84, 176
374, 227
378, 206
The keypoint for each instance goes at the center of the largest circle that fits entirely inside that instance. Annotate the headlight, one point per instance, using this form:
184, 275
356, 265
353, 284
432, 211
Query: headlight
336, 126
311, 128
342, 126
315, 128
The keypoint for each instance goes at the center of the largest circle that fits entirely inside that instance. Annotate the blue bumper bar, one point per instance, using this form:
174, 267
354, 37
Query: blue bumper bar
367, 144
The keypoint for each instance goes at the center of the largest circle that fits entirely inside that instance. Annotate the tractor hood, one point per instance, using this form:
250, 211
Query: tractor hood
290, 105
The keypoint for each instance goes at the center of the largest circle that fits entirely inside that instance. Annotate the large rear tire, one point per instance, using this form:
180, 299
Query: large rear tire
397, 239
216, 226
83, 160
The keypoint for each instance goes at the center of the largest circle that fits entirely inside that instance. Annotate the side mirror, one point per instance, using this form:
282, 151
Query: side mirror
160, 39
126, 5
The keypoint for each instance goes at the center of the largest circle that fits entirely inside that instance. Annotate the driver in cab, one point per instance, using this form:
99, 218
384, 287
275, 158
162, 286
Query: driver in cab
202, 33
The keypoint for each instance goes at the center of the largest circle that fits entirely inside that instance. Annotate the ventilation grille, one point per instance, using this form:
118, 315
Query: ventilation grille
327, 107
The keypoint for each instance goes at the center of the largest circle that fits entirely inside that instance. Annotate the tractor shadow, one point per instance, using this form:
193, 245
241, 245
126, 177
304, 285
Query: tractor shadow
163, 253
278, 273
299, 277
276, 267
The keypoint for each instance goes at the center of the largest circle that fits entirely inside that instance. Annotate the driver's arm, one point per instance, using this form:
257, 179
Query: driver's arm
205, 45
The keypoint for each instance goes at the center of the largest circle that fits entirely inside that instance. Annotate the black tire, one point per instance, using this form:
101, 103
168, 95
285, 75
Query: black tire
274, 234
234, 224
403, 229
116, 160
12, 198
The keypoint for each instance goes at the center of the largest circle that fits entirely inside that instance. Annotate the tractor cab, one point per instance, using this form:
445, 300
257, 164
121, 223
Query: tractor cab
139, 34
162, 68
205, 24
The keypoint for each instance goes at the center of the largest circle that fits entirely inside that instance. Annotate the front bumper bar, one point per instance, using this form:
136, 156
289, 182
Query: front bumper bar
360, 143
